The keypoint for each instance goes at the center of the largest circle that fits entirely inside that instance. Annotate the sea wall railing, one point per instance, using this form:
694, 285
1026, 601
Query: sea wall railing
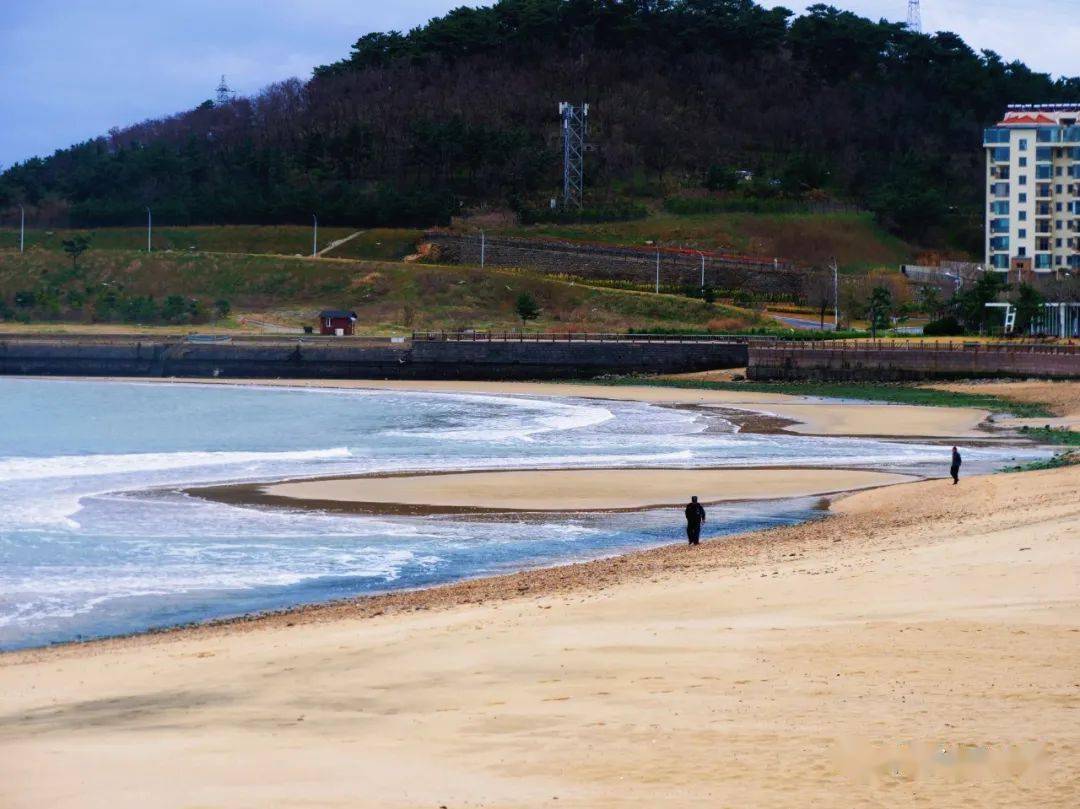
581, 337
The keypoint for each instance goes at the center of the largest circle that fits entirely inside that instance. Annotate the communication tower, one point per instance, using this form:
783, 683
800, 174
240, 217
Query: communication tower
224, 92
914, 16
575, 127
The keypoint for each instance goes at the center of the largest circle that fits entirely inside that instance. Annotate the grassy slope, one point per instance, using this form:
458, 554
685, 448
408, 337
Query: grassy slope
854, 238
383, 244
274, 239
389, 297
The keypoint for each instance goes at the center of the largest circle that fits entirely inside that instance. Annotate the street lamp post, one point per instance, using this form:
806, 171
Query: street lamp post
314, 236
658, 272
22, 228
702, 271
149, 228
836, 296
483, 249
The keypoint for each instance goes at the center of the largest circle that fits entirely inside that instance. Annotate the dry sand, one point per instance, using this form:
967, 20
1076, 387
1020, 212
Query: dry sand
1062, 398
921, 648
578, 489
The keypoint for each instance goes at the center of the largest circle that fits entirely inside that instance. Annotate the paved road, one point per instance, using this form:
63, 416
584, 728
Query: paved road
803, 323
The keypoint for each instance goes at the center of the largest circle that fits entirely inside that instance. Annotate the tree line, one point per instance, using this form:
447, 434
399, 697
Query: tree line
412, 128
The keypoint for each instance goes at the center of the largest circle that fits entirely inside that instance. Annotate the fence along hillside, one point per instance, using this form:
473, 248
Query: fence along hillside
769, 279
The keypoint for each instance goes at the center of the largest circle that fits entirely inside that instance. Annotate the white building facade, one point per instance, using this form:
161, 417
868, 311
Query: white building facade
1033, 189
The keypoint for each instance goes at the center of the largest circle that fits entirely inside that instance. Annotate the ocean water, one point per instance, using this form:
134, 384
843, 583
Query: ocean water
98, 538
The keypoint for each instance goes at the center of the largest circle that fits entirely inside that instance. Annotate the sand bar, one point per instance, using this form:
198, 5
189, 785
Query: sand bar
578, 489
919, 649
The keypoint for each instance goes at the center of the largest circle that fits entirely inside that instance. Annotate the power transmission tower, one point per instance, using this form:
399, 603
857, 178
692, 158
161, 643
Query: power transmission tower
224, 92
914, 16
575, 126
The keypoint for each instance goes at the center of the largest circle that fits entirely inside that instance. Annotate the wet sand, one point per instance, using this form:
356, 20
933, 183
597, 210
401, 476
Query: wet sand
549, 490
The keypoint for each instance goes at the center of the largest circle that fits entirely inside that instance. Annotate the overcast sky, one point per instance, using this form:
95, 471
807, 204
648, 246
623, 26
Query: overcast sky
71, 69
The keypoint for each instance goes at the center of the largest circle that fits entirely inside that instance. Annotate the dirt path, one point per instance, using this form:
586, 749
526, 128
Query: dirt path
336, 244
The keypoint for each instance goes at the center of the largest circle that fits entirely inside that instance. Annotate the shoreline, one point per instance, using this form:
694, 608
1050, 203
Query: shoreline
917, 642
744, 413
546, 579
801, 415
820, 658
521, 492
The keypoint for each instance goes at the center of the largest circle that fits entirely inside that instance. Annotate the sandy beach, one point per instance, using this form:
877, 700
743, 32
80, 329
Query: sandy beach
554, 490
919, 648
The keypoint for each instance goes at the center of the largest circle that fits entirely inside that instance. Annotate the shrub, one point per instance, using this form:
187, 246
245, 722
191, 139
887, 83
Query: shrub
947, 326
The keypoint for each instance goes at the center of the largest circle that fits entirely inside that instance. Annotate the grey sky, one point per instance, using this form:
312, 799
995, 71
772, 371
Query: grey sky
71, 69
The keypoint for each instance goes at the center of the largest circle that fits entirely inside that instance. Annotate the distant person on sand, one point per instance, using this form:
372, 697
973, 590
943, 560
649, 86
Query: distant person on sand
954, 470
695, 516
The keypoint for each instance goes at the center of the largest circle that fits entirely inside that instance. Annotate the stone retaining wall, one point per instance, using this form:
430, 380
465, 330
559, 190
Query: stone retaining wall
779, 281
793, 362
346, 358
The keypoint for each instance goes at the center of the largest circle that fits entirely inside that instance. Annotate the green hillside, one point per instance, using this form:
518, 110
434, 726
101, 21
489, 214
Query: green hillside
854, 239
177, 288
758, 106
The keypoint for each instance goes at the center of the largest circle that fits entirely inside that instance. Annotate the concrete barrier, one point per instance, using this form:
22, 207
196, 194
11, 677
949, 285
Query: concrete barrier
349, 358
899, 362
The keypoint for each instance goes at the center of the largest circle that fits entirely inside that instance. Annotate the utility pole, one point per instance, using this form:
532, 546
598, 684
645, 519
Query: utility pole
702, 271
149, 228
314, 236
836, 295
22, 228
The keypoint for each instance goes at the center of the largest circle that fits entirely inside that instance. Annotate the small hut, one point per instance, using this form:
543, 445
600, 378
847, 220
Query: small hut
336, 321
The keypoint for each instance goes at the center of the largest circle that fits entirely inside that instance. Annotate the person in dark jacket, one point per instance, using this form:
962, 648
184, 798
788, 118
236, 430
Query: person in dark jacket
954, 470
695, 516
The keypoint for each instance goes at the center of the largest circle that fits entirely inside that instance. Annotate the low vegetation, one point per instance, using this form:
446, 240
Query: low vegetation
1053, 435
854, 239
873, 392
125, 286
272, 239
1062, 459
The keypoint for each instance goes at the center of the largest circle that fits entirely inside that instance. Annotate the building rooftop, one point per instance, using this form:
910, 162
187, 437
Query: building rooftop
1041, 115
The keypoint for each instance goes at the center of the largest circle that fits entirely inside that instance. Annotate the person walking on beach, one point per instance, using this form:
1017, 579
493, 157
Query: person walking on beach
954, 470
695, 516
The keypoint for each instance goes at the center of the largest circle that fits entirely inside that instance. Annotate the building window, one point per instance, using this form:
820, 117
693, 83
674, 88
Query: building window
1023, 144
1023, 196
1021, 215
1022, 234
1023, 179
1023, 162
1021, 252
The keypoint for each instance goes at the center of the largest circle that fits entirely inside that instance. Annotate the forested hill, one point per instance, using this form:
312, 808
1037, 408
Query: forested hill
411, 128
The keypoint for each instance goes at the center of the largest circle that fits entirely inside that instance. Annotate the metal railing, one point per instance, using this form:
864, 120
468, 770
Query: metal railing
580, 337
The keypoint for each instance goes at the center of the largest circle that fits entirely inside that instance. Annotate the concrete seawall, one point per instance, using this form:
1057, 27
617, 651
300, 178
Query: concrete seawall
349, 358
909, 362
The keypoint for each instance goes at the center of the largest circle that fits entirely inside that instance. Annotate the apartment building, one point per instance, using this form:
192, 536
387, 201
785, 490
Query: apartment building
1033, 189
